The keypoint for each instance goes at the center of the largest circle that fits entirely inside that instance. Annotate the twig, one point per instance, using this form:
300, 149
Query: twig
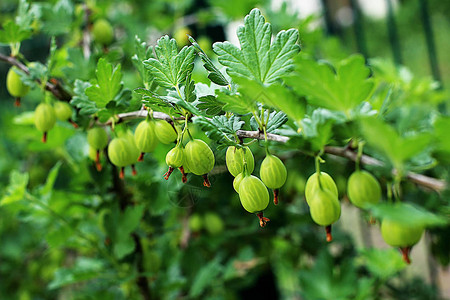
56, 89
422, 180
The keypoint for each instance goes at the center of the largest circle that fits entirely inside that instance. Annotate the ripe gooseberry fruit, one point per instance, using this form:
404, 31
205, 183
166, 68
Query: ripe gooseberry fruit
98, 140
312, 185
213, 223
235, 160
102, 32
174, 159
363, 189
401, 235
63, 112
44, 119
273, 173
254, 197
165, 133
325, 209
15, 86
199, 158
145, 137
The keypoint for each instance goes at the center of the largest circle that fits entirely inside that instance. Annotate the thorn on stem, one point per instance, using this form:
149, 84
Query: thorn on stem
206, 181
328, 231
262, 220
167, 175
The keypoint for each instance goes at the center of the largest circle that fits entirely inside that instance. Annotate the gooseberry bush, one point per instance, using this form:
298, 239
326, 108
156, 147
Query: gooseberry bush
264, 95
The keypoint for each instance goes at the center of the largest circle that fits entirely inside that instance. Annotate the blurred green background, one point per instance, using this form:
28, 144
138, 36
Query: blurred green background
196, 242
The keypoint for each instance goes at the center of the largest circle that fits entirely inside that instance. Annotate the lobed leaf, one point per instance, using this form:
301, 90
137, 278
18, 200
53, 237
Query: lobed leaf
258, 59
170, 68
108, 83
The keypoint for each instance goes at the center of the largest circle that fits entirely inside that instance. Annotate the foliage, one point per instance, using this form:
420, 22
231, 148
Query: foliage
87, 234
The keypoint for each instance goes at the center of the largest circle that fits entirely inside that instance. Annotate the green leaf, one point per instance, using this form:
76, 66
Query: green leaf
108, 83
342, 91
170, 68
84, 269
317, 128
386, 140
407, 214
79, 67
275, 96
81, 100
57, 17
143, 52
276, 120
16, 189
235, 103
441, 128
210, 105
221, 128
258, 58
208, 274
13, 33
25, 15
214, 74
383, 263
189, 90
51, 178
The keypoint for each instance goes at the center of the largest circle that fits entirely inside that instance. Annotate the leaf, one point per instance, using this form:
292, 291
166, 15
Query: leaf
13, 33
51, 178
342, 91
236, 103
170, 68
441, 128
16, 189
207, 275
143, 52
276, 120
386, 140
81, 100
259, 59
220, 128
407, 214
275, 96
57, 18
210, 105
317, 129
383, 263
84, 269
127, 223
189, 90
214, 74
108, 83
25, 15
323, 282
78, 67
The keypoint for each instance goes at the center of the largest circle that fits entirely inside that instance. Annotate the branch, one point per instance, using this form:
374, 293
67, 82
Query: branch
56, 89
419, 179
422, 180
